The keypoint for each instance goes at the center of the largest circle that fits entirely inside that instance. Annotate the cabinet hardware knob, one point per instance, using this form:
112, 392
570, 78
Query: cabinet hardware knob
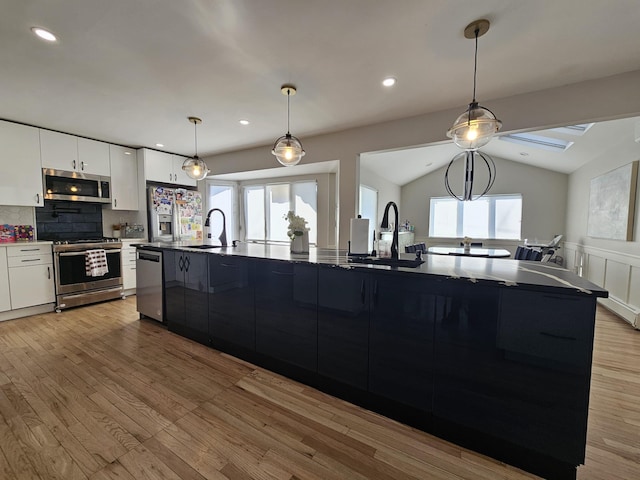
74, 164
38, 198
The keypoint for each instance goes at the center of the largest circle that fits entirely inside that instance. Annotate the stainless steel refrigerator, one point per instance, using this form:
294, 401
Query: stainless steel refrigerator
175, 214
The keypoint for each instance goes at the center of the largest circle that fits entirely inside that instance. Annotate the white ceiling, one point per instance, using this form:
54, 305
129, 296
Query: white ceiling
132, 71
604, 137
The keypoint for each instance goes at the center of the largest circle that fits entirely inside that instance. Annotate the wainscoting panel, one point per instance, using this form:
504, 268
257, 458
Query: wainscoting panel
618, 272
596, 268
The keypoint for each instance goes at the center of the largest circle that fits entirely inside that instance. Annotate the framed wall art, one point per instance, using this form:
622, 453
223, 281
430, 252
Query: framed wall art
612, 199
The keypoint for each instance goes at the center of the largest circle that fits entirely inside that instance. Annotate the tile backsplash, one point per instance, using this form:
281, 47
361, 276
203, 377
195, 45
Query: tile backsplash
17, 215
62, 220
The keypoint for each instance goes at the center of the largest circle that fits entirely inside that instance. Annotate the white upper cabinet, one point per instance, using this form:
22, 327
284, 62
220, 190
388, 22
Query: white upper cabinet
94, 157
124, 178
62, 151
21, 182
165, 167
181, 176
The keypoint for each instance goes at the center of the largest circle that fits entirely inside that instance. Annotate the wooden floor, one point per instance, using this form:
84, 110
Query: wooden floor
95, 393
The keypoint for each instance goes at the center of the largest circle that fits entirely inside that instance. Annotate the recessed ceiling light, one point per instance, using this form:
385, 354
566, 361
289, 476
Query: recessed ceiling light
44, 34
524, 154
159, 144
244, 122
127, 153
389, 82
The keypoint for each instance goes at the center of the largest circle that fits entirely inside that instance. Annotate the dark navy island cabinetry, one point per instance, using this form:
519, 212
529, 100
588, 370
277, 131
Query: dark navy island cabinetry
401, 339
185, 293
492, 354
232, 324
343, 325
286, 312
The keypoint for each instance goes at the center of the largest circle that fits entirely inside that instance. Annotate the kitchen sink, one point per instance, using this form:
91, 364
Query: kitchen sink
400, 262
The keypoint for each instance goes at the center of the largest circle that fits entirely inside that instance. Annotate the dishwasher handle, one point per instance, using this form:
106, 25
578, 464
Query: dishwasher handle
151, 257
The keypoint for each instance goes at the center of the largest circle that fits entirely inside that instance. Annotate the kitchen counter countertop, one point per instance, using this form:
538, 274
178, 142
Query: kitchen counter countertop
22, 244
504, 272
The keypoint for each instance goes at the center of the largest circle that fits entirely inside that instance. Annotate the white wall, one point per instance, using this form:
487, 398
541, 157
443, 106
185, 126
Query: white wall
592, 100
544, 196
387, 192
612, 264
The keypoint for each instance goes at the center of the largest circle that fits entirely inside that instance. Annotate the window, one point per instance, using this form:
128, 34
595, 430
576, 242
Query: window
369, 208
491, 216
222, 196
265, 207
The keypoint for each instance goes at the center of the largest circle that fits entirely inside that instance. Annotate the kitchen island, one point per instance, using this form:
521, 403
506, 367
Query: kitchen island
493, 354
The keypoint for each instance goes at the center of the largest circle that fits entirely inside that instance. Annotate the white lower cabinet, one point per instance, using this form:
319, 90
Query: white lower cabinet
129, 264
31, 279
5, 298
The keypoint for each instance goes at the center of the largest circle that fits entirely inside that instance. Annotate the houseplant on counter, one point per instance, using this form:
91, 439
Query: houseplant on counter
298, 232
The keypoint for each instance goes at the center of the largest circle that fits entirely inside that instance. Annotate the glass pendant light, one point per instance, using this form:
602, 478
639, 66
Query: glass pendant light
195, 167
288, 149
477, 125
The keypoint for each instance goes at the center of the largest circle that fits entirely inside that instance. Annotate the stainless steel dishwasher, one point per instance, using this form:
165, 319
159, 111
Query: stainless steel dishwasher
149, 284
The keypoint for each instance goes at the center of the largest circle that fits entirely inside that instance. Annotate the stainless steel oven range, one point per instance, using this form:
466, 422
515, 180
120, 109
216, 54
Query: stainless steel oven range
74, 286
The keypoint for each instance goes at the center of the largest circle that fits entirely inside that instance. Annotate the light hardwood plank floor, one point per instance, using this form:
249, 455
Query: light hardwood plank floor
95, 393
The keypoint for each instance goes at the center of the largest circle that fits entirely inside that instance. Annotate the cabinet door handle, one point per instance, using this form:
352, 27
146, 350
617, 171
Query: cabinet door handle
30, 260
29, 249
559, 337
287, 274
115, 202
181, 263
49, 273
74, 164
187, 263
375, 292
362, 292
82, 166
37, 198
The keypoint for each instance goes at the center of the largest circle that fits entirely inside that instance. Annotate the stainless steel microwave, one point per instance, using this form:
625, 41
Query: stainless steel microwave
76, 186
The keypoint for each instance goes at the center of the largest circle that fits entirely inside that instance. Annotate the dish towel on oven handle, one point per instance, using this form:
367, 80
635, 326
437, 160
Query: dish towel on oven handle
96, 263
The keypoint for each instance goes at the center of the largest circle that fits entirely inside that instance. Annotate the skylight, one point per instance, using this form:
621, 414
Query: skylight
537, 141
574, 129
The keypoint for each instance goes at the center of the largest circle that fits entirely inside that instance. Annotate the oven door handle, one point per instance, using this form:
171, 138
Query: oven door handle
75, 254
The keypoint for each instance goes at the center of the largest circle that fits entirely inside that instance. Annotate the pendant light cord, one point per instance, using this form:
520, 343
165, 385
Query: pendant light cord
288, 109
475, 65
195, 134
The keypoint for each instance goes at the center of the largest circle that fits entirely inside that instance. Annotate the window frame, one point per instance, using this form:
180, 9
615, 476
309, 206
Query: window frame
264, 186
491, 219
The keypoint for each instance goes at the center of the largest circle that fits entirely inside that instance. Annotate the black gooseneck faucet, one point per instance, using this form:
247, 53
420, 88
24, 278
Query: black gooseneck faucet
223, 235
385, 224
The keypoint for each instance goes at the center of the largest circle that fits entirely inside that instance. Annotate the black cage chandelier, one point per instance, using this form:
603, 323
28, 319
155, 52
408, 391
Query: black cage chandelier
473, 129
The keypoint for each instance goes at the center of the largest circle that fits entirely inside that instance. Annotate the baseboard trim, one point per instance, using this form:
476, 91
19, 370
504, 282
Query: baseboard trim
26, 312
622, 310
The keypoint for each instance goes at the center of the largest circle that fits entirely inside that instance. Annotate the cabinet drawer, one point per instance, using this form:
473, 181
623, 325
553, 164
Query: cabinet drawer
28, 260
22, 250
553, 327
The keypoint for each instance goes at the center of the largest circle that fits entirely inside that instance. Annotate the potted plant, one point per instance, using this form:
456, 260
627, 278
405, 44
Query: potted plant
298, 232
